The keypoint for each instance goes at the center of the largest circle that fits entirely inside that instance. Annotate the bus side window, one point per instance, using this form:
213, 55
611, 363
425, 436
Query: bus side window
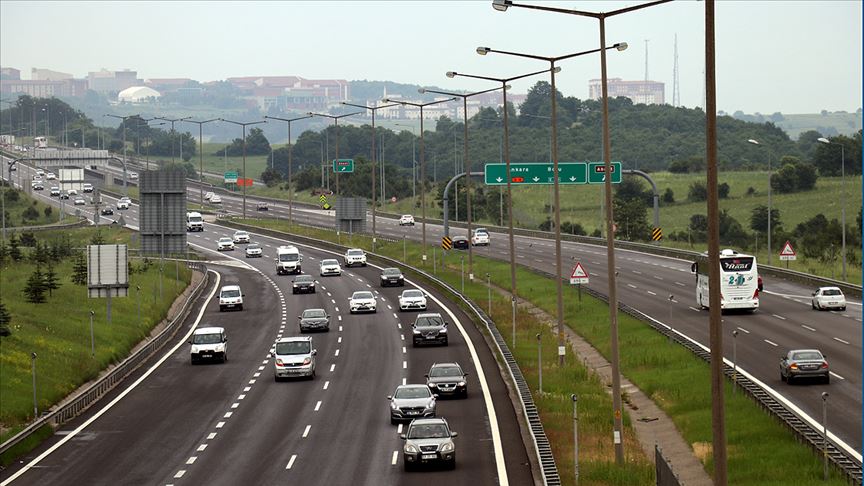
694, 267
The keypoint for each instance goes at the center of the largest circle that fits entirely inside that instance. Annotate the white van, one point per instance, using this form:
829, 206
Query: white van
230, 297
87, 187
194, 221
288, 260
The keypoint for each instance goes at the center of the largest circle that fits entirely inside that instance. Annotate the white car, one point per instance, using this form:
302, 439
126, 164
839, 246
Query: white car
330, 266
121, 204
362, 301
72, 192
412, 299
215, 199
480, 238
406, 220
225, 243
355, 256
133, 175
208, 195
40, 172
241, 237
254, 251
55, 191
209, 343
230, 297
828, 298
79, 201
50, 176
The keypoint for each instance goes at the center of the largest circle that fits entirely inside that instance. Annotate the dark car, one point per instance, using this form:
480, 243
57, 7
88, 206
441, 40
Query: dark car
429, 329
303, 284
804, 363
460, 243
447, 379
314, 320
392, 276
107, 211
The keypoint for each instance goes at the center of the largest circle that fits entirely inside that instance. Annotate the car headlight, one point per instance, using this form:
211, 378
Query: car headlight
295, 286
415, 331
393, 406
432, 385
443, 330
410, 448
430, 405
447, 447
461, 383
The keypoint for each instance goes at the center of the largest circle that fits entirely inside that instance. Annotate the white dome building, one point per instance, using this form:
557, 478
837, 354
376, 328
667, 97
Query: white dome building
137, 94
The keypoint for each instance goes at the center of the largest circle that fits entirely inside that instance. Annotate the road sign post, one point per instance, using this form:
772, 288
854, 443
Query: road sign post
343, 165
787, 253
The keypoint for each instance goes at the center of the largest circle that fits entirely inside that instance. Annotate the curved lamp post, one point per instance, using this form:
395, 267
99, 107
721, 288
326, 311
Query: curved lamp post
290, 163
244, 125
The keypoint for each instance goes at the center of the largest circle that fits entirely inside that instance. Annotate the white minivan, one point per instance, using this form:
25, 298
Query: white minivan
230, 297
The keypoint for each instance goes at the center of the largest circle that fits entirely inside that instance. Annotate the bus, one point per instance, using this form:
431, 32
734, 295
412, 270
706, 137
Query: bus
739, 281
40, 142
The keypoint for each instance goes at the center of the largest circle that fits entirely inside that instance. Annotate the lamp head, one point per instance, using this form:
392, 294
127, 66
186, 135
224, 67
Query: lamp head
823, 140
754, 142
310, 113
824, 395
501, 5
557, 69
483, 50
386, 100
451, 74
421, 90
621, 46
507, 86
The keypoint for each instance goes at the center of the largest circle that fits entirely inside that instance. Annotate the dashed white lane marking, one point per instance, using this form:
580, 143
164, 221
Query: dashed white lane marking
260, 368
388, 307
202, 447
404, 350
318, 405
652, 293
771, 343
637, 272
404, 380
246, 389
337, 308
191, 460
291, 461
333, 301
326, 384
235, 405
835, 375
220, 425
332, 367
180, 474
808, 328
745, 331
329, 294
228, 414
693, 308
395, 316
336, 353
778, 317
399, 429
211, 436
631, 286
399, 325
256, 375
841, 341
395, 458
404, 365
241, 396
340, 328
306, 432
340, 318
658, 278
680, 284
402, 336
339, 340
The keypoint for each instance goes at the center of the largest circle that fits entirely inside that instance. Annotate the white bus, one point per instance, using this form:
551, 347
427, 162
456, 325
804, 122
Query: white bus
40, 142
739, 281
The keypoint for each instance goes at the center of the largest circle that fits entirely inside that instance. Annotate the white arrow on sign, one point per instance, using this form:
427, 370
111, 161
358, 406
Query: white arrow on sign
499, 179
536, 179
572, 178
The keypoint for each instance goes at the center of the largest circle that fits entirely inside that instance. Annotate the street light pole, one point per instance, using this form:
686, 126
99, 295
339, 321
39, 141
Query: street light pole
244, 154
335, 119
466, 160
754, 142
290, 164
842, 196
173, 121
422, 161
200, 156
373, 109
125, 160
413, 164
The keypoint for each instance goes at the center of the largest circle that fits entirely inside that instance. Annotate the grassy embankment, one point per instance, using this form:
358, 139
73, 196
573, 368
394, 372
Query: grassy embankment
58, 331
761, 450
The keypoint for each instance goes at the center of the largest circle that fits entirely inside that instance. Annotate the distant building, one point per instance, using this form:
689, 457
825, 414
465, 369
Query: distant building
292, 92
11, 74
168, 85
137, 94
44, 89
105, 81
644, 92
37, 74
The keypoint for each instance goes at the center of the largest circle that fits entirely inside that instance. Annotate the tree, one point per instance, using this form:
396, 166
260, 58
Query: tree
14, 248
35, 288
51, 281
632, 218
785, 180
79, 270
759, 219
29, 214
723, 191
731, 231
698, 227
668, 196
5, 320
48, 210
256, 144
697, 192
97, 239
271, 177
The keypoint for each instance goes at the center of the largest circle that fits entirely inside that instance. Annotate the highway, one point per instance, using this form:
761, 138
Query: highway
184, 424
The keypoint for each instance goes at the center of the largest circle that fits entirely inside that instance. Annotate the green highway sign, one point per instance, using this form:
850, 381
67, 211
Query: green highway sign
231, 177
536, 173
596, 171
343, 165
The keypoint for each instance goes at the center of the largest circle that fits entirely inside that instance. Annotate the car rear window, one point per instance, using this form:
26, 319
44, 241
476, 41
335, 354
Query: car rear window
314, 313
831, 292
806, 355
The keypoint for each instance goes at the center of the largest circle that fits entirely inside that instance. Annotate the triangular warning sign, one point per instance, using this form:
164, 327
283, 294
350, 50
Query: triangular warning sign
787, 250
579, 271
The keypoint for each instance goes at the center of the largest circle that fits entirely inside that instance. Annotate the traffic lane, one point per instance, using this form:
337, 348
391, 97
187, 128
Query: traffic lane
145, 432
308, 421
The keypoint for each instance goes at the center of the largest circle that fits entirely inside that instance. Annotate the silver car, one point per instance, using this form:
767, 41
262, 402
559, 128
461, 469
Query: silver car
412, 299
429, 441
330, 266
411, 401
294, 357
804, 363
314, 320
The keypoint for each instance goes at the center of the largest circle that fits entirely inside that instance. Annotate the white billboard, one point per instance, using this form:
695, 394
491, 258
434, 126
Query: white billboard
107, 270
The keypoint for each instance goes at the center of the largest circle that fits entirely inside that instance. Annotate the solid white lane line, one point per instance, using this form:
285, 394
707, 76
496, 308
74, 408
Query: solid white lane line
745, 331
291, 461
306, 432
835, 375
211, 436
808, 328
326, 384
395, 458
771, 343
318, 405
840, 340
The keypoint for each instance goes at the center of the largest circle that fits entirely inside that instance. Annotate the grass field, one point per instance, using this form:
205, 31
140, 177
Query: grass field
761, 450
16, 208
58, 331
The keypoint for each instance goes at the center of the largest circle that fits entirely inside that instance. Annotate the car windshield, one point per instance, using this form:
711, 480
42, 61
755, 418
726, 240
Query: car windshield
424, 321
329, 262
224, 240
445, 371
806, 356
303, 279
289, 257
412, 293
391, 271
362, 295
293, 347
230, 293
832, 292
206, 338
413, 392
355, 252
430, 431
241, 233
314, 314
253, 246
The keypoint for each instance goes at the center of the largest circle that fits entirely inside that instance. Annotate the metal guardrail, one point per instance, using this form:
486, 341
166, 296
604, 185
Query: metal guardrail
56, 226
542, 447
97, 390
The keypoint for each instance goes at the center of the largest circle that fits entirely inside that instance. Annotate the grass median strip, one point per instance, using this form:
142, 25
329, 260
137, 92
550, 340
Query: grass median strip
761, 450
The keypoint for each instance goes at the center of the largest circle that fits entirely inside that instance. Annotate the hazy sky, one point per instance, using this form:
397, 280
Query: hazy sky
787, 56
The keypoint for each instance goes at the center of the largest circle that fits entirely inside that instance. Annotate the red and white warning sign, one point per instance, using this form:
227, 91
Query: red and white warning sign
579, 275
787, 253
